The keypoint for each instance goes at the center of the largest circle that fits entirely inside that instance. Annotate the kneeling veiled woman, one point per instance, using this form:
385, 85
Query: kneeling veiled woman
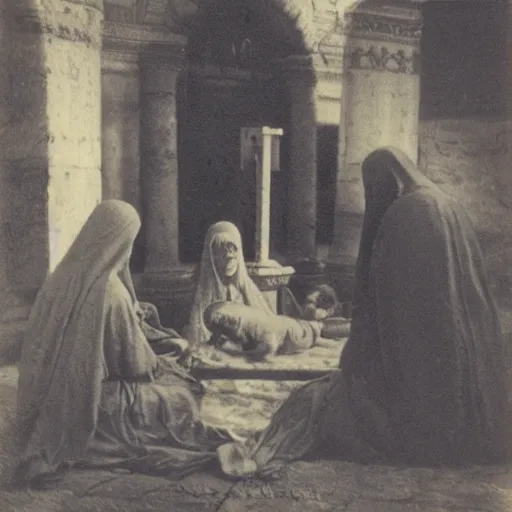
91, 390
423, 376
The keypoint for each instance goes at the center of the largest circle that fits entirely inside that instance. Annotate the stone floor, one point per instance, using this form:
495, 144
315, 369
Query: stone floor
304, 486
324, 486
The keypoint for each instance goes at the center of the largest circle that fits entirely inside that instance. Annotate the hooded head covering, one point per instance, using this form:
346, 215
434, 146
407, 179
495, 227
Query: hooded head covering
211, 287
426, 339
62, 365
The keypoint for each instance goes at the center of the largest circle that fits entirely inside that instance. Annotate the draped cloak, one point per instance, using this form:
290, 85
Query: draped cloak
90, 388
426, 348
423, 376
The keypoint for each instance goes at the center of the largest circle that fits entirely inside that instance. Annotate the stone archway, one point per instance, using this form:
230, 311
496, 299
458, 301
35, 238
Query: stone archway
235, 79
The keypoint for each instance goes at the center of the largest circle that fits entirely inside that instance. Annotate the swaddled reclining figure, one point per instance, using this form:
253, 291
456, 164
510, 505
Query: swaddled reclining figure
257, 334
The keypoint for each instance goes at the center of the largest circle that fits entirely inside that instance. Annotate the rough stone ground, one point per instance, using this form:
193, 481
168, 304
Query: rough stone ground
325, 486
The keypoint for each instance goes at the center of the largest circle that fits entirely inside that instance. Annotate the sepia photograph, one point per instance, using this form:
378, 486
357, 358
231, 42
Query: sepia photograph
255, 255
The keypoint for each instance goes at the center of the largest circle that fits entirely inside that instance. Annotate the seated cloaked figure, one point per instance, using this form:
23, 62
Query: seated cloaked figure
91, 390
423, 377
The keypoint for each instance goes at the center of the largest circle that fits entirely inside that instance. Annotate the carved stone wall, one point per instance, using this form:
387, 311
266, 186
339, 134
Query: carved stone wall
469, 159
464, 129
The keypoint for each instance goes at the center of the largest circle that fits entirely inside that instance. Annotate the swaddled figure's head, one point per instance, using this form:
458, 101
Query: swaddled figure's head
321, 303
221, 322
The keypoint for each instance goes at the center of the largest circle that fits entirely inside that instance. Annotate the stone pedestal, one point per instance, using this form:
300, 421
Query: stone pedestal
270, 278
172, 293
379, 107
120, 134
159, 74
300, 80
166, 283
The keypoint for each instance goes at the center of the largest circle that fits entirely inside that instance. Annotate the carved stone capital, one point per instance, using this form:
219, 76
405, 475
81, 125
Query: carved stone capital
155, 49
126, 37
387, 23
160, 71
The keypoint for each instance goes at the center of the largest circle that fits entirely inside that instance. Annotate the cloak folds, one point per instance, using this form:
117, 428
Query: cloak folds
426, 346
91, 390
423, 377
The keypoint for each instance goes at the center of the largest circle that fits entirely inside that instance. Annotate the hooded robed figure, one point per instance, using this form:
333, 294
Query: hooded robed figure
423, 376
91, 390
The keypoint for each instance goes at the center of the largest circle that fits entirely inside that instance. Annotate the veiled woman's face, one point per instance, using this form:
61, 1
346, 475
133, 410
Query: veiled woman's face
380, 183
381, 188
225, 257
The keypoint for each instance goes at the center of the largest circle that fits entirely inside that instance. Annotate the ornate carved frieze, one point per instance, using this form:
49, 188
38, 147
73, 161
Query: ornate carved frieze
270, 283
63, 20
126, 37
391, 24
61, 25
379, 57
269, 278
124, 46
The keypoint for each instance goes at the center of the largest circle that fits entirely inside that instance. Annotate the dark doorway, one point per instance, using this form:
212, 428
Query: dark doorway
230, 85
327, 164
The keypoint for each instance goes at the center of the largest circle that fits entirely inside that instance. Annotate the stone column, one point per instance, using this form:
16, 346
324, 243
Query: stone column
300, 81
379, 107
159, 74
120, 157
50, 122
